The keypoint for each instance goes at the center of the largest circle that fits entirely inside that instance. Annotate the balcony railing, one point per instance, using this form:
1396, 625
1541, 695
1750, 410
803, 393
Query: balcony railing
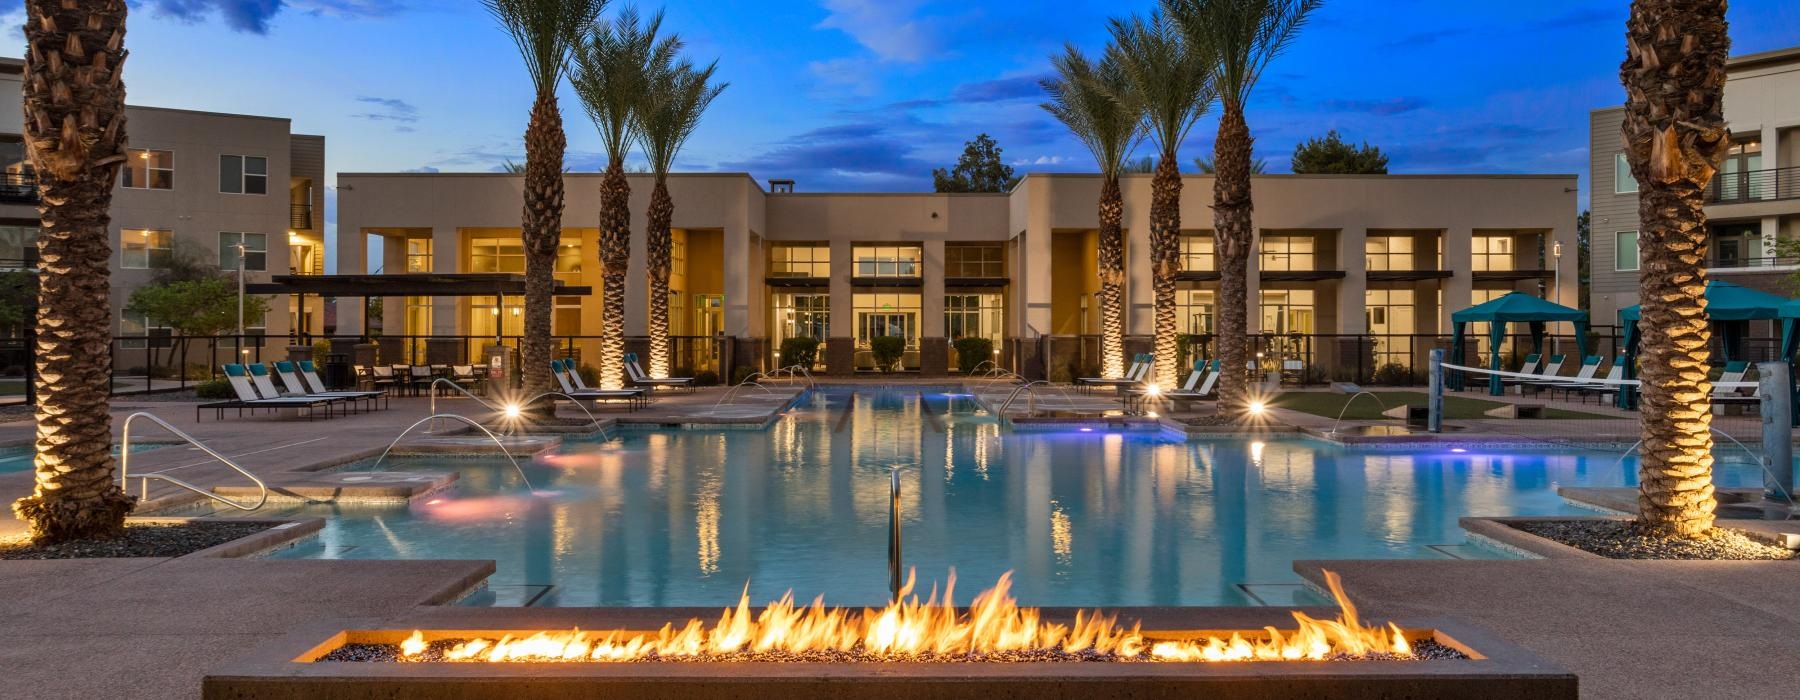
18, 188
1750, 264
1754, 186
300, 216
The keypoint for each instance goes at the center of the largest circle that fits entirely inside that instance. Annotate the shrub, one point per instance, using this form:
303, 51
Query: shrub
801, 351
589, 375
706, 378
1393, 374
971, 352
887, 350
320, 350
740, 373
214, 389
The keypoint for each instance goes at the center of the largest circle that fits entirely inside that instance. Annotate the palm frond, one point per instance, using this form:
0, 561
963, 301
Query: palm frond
613, 70
673, 103
1243, 36
546, 31
1172, 78
1099, 106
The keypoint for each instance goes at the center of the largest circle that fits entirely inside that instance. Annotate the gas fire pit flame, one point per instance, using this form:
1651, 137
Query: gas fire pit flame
993, 624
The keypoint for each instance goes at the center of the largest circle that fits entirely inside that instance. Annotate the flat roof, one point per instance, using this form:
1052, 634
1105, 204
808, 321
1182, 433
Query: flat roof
1764, 58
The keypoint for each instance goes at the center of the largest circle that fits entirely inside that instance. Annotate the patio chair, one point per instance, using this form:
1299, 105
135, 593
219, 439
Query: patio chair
418, 377
465, 377
570, 381
1552, 368
382, 376
639, 377
1199, 384
1603, 389
1140, 369
301, 380
1733, 372
239, 378
1589, 365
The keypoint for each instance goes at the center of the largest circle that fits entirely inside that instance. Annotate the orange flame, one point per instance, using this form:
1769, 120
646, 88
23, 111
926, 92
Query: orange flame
993, 623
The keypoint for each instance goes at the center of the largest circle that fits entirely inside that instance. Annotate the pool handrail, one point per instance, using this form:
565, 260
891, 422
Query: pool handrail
125, 465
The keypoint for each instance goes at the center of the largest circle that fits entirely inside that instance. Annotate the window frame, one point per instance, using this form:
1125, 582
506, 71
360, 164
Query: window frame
250, 254
244, 174
1636, 247
986, 260
1623, 167
146, 336
134, 155
787, 265
149, 263
887, 261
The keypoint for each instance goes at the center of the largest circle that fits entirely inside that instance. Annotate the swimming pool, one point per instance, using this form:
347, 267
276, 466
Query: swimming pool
675, 518
18, 458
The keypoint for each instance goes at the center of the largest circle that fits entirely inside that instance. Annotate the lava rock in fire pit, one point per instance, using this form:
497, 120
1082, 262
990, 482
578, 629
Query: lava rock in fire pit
1424, 650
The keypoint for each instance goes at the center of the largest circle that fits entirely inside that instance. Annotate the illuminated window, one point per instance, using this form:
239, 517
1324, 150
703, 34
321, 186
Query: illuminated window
1393, 252
507, 255
1491, 254
418, 255
1623, 182
1197, 253
1287, 252
887, 313
799, 260
1287, 311
147, 169
887, 260
974, 260
1194, 311
1391, 312
974, 316
145, 248
802, 316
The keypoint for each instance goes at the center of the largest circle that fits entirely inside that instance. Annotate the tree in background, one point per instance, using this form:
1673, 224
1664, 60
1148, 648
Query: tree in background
1584, 259
1330, 155
546, 32
18, 297
73, 90
1097, 103
980, 169
673, 104
1241, 37
1173, 81
191, 308
1140, 166
1205, 166
613, 70
1675, 139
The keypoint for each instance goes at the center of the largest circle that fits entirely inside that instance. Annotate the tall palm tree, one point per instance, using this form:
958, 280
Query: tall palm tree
1174, 86
1097, 103
1675, 139
74, 99
671, 110
1241, 36
612, 74
546, 32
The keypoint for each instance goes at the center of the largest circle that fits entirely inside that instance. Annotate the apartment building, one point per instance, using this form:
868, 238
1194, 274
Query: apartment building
1753, 201
196, 184
1340, 257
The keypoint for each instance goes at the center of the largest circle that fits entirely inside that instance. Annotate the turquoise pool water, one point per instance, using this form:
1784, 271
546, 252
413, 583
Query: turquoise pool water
674, 518
18, 458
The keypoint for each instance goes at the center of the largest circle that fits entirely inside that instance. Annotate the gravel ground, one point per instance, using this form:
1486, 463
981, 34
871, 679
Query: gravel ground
16, 412
1209, 420
1616, 539
390, 653
138, 541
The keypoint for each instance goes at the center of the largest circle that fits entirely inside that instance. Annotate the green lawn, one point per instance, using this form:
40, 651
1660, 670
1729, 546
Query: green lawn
1329, 404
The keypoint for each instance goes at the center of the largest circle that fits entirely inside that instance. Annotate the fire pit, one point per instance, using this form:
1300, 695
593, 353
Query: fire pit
993, 649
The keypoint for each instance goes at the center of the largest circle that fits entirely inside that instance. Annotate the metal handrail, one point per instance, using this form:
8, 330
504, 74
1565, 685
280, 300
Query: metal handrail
1031, 405
590, 414
472, 423
125, 465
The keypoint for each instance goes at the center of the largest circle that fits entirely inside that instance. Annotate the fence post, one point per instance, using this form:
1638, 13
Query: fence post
1435, 404
1775, 391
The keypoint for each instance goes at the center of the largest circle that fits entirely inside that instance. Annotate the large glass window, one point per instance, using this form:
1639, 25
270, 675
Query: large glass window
12, 159
243, 174
1389, 252
1391, 312
1194, 311
147, 169
1625, 251
145, 248
974, 260
507, 255
17, 243
887, 313
418, 255
1287, 252
1735, 175
1737, 244
977, 315
805, 315
887, 260
1491, 254
1197, 253
799, 260
1287, 311
1623, 182
256, 250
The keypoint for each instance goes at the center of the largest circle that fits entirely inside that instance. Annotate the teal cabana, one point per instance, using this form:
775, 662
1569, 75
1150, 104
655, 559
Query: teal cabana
1514, 307
1731, 308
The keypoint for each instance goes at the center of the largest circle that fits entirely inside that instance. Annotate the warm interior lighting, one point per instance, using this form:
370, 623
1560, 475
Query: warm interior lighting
994, 626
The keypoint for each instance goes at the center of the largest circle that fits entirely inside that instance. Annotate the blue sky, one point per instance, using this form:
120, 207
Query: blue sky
872, 94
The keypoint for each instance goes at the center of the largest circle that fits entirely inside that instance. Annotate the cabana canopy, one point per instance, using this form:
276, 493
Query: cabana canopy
1727, 304
1514, 307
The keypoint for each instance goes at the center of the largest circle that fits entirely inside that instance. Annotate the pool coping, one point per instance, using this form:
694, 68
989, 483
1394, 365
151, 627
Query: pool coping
1501, 533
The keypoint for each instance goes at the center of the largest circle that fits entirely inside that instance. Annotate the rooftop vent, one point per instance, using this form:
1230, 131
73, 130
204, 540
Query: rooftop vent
776, 186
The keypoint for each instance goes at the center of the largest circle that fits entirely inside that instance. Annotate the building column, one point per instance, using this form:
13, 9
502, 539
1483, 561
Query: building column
1771, 235
1353, 290
446, 257
840, 348
1252, 285
1459, 287
738, 280
934, 354
1771, 148
1140, 279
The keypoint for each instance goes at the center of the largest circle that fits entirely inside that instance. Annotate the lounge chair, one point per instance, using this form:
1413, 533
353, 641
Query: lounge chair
247, 397
1589, 365
1734, 372
297, 379
1600, 389
1552, 368
1199, 384
639, 377
1140, 369
570, 381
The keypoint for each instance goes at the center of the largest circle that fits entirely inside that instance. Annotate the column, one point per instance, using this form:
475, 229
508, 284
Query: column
446, 257
840, 348
1352, 258
1458, 288
740, 279
934, 346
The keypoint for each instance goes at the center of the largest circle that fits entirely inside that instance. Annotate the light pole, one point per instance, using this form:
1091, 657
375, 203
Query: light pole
1556, 286
242, 351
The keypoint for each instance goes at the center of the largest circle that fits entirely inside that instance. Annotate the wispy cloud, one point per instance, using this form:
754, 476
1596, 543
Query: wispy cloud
254, 16
888, 28
1382, 108
389, 109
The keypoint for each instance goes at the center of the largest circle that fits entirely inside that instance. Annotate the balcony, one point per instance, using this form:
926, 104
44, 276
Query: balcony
1717, 263
18, 188
300, 217
1754, 186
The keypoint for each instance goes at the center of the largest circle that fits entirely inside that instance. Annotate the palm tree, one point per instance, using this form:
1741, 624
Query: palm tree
1675, 139
612, 75
1174, 86
74, 100
546, 32
1241, 36
1099, 106
671, 110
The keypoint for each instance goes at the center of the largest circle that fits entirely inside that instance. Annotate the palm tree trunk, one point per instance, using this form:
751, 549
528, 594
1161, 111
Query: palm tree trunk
1112, 279
542, 233
615, 255
1234, 238
1165, 262
657, 251
74, 100
1675, 138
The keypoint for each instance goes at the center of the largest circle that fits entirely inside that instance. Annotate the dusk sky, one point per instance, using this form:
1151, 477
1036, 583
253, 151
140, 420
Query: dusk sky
872, 94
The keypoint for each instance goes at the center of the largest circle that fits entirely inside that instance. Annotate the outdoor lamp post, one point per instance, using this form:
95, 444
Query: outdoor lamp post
1556, 287
242, 351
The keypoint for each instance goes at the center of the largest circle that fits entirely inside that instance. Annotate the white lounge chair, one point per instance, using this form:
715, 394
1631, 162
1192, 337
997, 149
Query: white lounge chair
296, 385
1137, 374
570, 380
239, 377
640, 377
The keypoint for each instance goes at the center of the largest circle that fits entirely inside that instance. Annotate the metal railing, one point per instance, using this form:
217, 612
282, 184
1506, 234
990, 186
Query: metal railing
1754, 186
1714, 263
125, 465
18, 188
300, 216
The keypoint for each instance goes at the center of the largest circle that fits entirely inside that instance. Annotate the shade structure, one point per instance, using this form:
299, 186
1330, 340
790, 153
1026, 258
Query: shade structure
1514, 307
1730, 307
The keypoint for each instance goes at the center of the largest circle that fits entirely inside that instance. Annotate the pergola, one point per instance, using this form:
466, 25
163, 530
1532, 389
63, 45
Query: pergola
428, 284
1514, 307
1731, 308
